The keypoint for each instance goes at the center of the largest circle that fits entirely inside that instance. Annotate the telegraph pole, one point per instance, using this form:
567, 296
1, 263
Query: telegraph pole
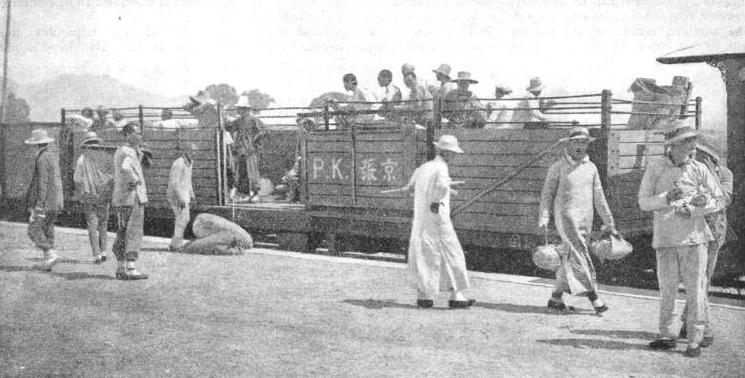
3, 106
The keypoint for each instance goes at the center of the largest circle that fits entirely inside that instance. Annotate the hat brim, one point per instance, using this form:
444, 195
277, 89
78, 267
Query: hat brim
440, 72
88, 141
581, 137
455, 149
537, 88
680, 138
40, 141
466, 80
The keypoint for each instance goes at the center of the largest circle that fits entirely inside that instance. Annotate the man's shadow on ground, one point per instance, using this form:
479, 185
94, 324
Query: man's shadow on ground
65, 275
605, 344
377, 304
528, 309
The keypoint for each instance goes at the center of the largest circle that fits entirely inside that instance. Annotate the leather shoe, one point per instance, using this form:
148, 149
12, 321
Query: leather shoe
131, 275
601, 309
706, 342
461, 304
693, 352
662, 344
424, 303
559, 306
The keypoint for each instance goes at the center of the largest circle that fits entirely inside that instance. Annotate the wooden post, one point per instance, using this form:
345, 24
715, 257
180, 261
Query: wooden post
63, 116
354, 164
222, 161
5, 66
141, 116
698, 113
605, 111
326, 115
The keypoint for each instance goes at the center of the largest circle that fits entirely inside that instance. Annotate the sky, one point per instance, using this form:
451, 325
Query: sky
296, 50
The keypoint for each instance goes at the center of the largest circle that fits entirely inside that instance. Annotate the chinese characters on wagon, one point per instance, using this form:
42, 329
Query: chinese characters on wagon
377, 170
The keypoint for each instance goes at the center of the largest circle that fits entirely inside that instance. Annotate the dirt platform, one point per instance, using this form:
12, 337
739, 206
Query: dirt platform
271, 313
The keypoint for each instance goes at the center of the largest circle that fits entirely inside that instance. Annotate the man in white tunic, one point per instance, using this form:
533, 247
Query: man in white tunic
180, 193
436, 258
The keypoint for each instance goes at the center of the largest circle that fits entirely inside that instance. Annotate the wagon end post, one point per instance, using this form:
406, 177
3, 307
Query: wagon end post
698, 113
62, 115
326, 115
141, 116
605, 111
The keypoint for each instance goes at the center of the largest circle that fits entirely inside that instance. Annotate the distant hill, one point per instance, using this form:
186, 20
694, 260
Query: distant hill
80, 90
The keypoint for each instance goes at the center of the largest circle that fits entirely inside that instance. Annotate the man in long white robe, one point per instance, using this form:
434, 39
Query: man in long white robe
436, 258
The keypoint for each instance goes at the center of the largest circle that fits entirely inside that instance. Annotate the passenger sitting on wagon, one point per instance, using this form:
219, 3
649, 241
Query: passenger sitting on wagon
289, 189
204, 109
528, 114
360, 99
119, 120
390, 95
462, 107
442, 74
418, 105
499, 115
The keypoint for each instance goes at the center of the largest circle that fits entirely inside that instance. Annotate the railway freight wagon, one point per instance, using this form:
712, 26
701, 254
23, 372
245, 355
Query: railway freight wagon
348, 169
349, 158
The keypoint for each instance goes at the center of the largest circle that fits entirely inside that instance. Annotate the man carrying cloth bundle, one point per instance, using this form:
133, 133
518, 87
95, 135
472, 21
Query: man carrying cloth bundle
680, 191
572, 193
94, 186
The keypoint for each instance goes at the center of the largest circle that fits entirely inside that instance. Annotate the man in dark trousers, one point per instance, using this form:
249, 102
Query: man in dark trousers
44, 198
128, 200
248, 132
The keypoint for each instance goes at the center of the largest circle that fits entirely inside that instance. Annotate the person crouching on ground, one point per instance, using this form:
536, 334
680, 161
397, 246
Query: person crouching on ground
680, 233
436, 259
128, 200
44, 198
93, 186
181, 193
572, 193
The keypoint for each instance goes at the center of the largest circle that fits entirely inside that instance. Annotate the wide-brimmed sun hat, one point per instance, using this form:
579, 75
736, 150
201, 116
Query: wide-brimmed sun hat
535, 85
201, 98
710, 145
449, 143
91, 138
39, 136
243, 103
680, 132
464, 76
579, 133
503, 89
443, 69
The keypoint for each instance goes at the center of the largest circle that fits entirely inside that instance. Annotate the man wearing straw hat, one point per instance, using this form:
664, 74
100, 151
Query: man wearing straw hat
442, 74
44, 198
572, 193
248, 131
94, 186
680, 191
527, 113
436, 259
461, 106
128, 200
707, 152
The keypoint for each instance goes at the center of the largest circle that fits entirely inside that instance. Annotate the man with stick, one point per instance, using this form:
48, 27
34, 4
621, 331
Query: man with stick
436, 259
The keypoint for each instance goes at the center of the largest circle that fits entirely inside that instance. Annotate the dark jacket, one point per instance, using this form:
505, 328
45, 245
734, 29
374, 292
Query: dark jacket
45, 191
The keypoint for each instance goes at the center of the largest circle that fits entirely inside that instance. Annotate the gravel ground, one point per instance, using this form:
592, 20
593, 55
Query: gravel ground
271, 313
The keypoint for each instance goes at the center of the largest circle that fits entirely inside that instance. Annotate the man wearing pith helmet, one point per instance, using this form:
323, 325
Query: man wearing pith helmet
680, 191
571, 194
436, 259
